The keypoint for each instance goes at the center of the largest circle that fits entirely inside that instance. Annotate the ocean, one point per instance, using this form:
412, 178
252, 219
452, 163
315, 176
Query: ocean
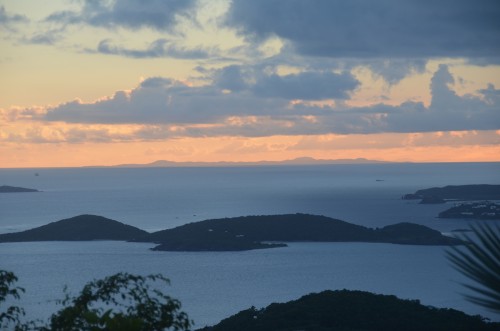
214, 285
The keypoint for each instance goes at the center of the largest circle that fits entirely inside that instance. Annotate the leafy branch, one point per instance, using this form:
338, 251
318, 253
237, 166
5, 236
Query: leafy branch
479, 260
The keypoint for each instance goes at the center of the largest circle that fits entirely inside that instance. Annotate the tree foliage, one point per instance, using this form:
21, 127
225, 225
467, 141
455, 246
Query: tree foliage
10, 317
351, 311
480, 262
122, 302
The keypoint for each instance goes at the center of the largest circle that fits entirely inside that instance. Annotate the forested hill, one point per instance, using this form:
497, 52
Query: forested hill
233, 234
351, 310
83, 227
458, 192
241, 233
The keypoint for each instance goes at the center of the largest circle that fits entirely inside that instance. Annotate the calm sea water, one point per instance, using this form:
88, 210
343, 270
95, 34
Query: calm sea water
213, 286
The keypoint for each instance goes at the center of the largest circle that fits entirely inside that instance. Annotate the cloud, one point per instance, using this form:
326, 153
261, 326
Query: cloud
7, 20
374, 29
246, 111
396, 140
161, 100
49, 37
159, 15
233, 78
394, 70
306, 86
158, 48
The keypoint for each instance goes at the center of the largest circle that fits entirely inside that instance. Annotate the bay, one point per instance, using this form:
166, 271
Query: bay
212, 286
215, 285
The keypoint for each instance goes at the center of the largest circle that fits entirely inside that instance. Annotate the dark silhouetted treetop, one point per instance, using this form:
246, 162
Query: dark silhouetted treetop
10, 317
119, 303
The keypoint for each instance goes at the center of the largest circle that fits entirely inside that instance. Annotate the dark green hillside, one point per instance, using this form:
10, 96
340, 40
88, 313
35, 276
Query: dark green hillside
351, 311
14, 189
484, 210
291, 227
250, 232
83, 227
412, 234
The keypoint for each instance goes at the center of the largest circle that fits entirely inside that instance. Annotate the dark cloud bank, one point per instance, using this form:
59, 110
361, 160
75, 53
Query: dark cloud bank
383, 28
392, 37
163, 101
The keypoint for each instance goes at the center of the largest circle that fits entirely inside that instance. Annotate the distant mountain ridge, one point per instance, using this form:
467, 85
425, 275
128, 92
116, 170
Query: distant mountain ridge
296, 161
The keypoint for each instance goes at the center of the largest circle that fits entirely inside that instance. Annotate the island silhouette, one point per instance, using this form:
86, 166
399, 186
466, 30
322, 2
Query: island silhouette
78, 228
233, 234
456, 192
15, 189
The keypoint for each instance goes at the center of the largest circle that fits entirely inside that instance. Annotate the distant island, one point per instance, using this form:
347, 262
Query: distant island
78, 228
296, 161
233, 234
351, 310
253, 232
14, 189
484, 210
456, 192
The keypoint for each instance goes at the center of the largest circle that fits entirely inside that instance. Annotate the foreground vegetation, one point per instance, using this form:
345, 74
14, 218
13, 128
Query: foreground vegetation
479, 260
351, 310
122, 302
125, 302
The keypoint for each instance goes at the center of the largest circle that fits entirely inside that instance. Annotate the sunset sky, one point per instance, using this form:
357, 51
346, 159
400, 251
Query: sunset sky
89, 82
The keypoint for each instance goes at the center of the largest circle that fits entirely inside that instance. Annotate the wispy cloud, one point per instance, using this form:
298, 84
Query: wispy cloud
130, 14
8, 21
157, 49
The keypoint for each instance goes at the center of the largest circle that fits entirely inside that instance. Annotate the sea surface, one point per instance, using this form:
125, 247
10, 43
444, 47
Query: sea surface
214, 285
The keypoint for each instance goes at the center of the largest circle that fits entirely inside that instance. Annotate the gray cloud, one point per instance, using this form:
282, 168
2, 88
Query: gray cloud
372, 29
232, 78
394, 70
131, 14
7, 20
49, 37
158, 48
306, 86
163, 101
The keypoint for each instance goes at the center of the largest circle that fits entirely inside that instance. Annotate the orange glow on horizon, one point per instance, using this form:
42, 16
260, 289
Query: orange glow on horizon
238, 149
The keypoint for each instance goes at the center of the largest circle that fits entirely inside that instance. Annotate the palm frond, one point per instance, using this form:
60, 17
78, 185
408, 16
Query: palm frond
479, 260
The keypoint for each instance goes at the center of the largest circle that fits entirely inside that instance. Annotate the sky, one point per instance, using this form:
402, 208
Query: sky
89, 82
